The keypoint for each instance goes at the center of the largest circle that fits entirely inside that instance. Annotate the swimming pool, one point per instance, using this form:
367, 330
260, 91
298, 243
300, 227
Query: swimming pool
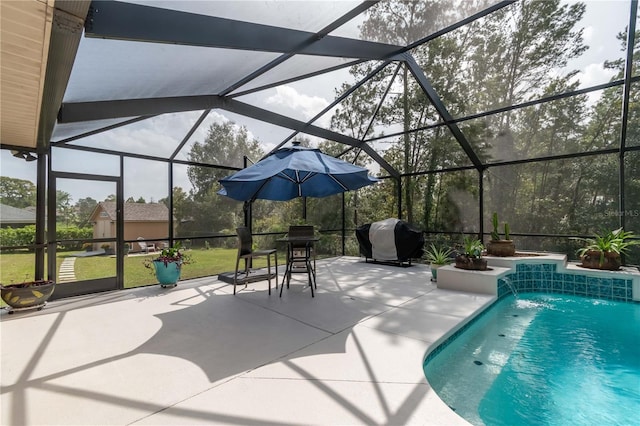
544, 359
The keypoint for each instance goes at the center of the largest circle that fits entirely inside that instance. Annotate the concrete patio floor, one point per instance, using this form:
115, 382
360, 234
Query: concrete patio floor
197, 354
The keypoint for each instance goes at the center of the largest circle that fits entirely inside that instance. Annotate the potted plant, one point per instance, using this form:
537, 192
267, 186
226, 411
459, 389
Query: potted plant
168, 265
107, 248
87, 247
471, 257
603, 251
498, 246
27, 295
437, 257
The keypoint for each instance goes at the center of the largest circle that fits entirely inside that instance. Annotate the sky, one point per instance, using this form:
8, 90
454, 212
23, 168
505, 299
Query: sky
300, 100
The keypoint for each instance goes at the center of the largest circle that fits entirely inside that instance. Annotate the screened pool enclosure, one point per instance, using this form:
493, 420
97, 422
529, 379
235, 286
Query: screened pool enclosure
461, 108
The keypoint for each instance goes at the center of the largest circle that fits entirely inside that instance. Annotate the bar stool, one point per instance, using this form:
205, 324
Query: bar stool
300, 253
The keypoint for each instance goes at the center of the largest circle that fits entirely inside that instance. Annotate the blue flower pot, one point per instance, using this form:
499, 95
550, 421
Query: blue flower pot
167, 274
434, 272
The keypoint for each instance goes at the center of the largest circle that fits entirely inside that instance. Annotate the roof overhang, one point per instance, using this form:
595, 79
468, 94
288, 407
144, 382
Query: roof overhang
39, 43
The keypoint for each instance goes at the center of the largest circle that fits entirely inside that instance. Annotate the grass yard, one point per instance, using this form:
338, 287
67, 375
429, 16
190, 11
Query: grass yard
18, 267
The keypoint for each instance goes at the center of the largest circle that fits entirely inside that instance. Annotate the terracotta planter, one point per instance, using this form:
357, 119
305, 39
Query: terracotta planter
591, 259
501, 248
471, 263
27, 295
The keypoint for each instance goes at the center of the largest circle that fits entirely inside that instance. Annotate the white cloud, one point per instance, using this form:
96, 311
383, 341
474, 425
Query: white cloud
588, 34
309, 106
594, 74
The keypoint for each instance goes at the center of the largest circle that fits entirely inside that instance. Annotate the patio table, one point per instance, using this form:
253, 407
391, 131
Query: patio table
304, 245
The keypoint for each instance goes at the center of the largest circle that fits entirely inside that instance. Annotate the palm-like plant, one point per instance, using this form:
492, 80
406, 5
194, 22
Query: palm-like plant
438, 256
471, 256
617, 241
473, 247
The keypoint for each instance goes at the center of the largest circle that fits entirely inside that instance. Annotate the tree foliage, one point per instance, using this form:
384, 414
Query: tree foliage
84, 208
19, 193
506, 58
226, 144
203, 211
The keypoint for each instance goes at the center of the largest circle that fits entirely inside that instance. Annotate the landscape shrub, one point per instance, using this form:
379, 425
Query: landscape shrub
26, 236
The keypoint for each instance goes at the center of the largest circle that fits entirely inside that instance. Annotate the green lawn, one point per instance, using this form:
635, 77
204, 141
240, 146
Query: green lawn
18, 267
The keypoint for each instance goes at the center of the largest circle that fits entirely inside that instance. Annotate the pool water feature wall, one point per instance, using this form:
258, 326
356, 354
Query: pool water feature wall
544, 278
544, 273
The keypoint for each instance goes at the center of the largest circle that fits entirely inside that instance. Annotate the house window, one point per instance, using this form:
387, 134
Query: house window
104, 214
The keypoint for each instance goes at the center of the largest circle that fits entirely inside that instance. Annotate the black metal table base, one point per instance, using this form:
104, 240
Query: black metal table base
292, 263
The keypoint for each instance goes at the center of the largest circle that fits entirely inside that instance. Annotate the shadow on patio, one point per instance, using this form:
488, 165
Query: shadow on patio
197, 354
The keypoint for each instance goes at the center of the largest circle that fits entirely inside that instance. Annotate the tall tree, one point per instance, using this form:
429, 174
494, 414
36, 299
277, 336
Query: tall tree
226, 144
505, 58
18, 193
65, 211
519, 47
183, 212
600, 202
403, 22
84, 207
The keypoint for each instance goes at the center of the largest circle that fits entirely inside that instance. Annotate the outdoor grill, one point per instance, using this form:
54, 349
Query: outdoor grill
390, 241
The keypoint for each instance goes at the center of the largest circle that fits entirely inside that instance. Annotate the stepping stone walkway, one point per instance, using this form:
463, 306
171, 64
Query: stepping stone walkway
67, 273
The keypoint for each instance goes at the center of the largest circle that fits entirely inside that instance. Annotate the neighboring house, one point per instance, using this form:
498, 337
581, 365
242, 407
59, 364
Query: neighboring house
15, 217
147, 220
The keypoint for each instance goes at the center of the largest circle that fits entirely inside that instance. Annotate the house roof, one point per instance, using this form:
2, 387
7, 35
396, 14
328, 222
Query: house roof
39, 44
9, 214
136, 212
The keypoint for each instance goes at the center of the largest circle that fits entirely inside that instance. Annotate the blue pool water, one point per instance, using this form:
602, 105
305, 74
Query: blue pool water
544, 360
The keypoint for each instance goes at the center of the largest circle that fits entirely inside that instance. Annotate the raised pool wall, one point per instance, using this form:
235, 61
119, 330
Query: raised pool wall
544, 273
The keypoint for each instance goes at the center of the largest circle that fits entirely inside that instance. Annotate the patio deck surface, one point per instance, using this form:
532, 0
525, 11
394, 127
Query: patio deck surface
196, 354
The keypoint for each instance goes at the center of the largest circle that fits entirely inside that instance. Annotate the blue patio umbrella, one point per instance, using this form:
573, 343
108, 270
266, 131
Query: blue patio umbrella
295, 172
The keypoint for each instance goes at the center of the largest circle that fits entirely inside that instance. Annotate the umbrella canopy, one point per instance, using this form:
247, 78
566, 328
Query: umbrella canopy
295, 172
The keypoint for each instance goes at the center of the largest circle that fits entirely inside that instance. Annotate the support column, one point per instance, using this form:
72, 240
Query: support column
41, 208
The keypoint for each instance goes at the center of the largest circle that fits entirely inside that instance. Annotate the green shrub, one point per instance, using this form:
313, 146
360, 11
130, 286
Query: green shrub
18, 236
27, 236
7, 236
73, 233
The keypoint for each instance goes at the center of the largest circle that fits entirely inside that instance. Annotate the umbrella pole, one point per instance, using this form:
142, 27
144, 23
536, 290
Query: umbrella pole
247, 204
248, 219
344, 223
304, 208
248, 262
